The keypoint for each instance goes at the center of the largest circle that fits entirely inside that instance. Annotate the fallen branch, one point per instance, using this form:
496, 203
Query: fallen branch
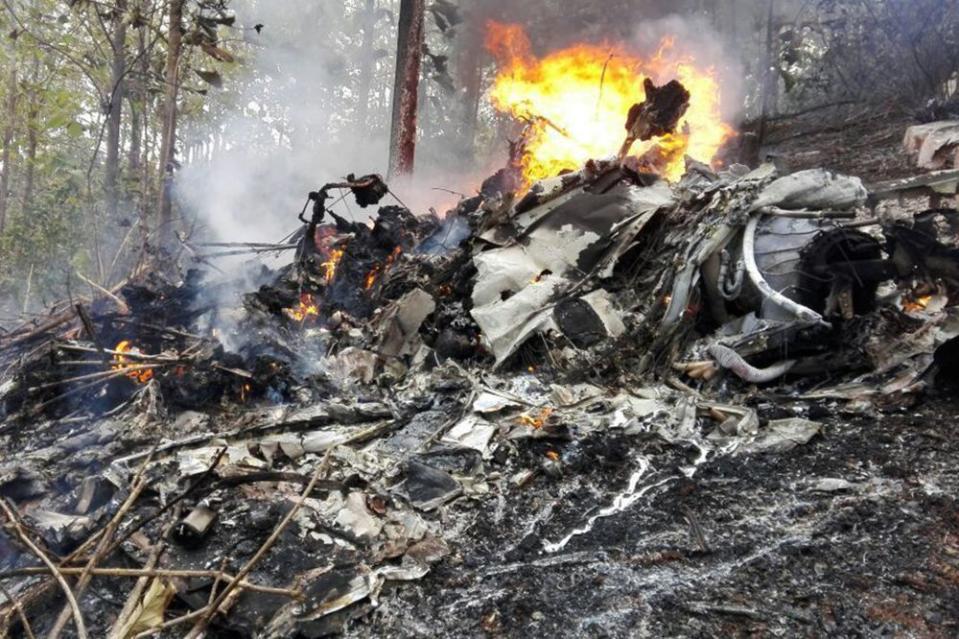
124, 308
20, 613
139, 483
97, 375
161, 329
133, 600
137, 573
178, 621
42, 556
176, 500
144, 357
266, 245
54, 322
200, 627
78, 389
247, 251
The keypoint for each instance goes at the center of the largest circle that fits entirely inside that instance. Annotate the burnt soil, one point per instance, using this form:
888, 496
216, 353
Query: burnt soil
784, 549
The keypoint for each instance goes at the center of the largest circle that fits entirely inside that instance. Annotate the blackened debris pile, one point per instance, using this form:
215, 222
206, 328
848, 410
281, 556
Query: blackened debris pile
266, 462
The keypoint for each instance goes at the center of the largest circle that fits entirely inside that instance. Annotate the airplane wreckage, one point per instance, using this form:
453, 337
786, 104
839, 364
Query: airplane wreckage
288, 457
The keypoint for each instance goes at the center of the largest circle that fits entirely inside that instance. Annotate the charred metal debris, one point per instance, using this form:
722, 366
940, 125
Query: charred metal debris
264, 456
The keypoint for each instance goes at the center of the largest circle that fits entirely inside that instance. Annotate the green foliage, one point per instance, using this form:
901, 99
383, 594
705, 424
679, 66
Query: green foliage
902, 52
56, 221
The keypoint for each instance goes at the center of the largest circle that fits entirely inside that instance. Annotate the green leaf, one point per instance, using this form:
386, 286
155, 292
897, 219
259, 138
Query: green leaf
74, 129
58, 120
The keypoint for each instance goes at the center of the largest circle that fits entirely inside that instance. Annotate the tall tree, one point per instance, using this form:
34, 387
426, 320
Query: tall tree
409, 55
9, 127
115, 113
35, 102
168, 138
140, 100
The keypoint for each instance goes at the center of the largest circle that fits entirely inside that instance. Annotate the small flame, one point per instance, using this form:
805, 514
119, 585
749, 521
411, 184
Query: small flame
539, 278
916, 304
138, 375
576, 100
371, 277
377, 269
306, 309
244, 390
329, 266
537, 421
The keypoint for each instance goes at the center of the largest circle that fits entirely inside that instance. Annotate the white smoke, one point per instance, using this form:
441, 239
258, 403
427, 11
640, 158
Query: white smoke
290, 125
285, 135
695, 37
292, 128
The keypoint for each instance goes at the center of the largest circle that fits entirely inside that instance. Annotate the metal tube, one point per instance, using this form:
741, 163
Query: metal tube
752, 269
729, 359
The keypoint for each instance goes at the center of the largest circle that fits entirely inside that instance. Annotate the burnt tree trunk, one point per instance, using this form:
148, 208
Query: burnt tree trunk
409, 54
366, 65
168, 137
115, 113
9, 127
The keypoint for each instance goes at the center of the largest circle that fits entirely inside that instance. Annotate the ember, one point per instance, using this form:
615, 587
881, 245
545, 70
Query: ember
137, 373
576, 101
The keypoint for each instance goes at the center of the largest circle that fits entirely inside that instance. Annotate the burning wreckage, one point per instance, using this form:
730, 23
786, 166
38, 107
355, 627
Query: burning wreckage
280, 466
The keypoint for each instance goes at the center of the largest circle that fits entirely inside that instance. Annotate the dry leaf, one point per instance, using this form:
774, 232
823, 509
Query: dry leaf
149, 612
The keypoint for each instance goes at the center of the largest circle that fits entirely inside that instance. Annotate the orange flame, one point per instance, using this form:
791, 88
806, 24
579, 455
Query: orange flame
306, 309
916, 304
577, 99
329, 266
371, 277
537, 421
377, 268
140, 375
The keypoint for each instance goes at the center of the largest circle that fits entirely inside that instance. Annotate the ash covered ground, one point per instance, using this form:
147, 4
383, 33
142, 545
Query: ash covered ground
855, 534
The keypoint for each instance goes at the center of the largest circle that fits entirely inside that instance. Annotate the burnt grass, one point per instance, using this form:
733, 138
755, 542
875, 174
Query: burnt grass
780, 552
